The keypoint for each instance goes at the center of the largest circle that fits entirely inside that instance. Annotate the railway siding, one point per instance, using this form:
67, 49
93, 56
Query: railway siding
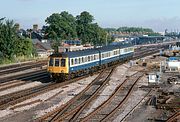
109, 107
57, 98
82, 98
47, 99
117, 78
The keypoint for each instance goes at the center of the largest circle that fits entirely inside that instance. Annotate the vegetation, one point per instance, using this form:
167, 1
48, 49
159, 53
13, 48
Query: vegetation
12, 45
65, 26
134, 30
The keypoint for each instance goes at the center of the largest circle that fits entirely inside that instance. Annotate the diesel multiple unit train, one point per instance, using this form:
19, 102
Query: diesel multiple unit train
67, 65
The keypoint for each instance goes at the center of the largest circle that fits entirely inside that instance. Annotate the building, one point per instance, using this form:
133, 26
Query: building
152, 78
174, 64
73, 45
43, 49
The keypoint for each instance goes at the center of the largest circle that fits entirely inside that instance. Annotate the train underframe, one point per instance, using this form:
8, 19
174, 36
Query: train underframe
60, 77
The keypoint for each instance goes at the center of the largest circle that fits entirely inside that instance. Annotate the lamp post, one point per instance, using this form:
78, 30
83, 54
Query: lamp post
106, 38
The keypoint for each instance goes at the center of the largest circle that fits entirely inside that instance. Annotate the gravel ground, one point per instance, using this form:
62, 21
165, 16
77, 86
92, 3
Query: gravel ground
117, 78
133, 100
30, 112
68, 94
19, 88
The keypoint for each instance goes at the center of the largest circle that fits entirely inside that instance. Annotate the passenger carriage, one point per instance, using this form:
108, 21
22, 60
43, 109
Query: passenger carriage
68, 65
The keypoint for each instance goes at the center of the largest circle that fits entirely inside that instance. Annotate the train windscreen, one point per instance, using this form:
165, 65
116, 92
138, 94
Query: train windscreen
63, 62
51, 62
57, 62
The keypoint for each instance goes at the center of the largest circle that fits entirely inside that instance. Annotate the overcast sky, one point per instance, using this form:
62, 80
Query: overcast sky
155, 14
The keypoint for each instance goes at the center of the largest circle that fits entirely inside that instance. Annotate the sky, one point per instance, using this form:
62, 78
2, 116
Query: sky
156, 14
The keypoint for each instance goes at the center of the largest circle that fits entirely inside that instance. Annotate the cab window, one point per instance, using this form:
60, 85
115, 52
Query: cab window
56, 62
51, 62
63, 62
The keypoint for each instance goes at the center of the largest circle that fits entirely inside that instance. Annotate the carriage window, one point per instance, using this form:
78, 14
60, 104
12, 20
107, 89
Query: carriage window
82, 59
94, 57
102, 55
97, 56
85, 59
114, 53
72, 62
56, 62
125, 50
75, 60
63, 62
89, 58
51, 62
79, 60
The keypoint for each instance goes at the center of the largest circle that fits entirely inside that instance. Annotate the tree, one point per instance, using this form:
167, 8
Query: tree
24, 47
7, 39
88, 31
84, 21
64, 26
61, 26
84, 18
12, 45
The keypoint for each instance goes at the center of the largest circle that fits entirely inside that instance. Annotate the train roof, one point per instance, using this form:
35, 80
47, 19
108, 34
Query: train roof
76, 53
107, 48
90, 51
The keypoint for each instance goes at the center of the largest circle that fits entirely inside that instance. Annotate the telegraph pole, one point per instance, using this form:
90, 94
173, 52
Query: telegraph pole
106, 38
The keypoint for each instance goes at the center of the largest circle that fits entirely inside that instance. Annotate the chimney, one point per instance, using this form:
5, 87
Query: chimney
17, 26
35, 27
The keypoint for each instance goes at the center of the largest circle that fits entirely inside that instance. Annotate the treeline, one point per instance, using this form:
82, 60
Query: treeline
12, 45
64, 26
136, 30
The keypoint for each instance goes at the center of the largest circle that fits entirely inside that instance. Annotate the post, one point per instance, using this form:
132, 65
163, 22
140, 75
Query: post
106, 38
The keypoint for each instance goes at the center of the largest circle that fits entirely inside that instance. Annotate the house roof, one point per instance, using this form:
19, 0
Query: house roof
39, 45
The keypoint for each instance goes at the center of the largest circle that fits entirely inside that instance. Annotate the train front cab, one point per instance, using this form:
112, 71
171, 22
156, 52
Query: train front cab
58, 68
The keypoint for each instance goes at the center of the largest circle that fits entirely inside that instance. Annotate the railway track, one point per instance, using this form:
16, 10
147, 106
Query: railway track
124, 118
19, 96
61, 116
13, 66
14, 83
21, 68
113, 103
174, 118
81, 99
28, 76
60, 113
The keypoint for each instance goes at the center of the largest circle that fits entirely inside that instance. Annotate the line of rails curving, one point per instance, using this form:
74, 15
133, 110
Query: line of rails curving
72, 112
81, 99
31, 76
14, 66
109, 107
174, 118
19, 96
23, 67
